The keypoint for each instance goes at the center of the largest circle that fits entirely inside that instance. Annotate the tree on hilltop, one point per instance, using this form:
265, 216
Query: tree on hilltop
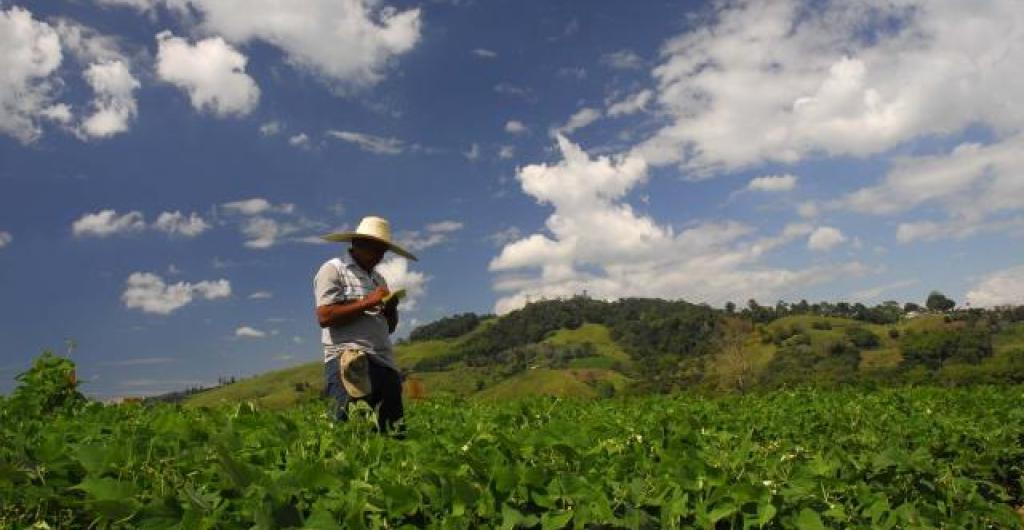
939, 302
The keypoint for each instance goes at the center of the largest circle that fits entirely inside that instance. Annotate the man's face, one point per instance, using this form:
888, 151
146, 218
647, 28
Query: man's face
369, 252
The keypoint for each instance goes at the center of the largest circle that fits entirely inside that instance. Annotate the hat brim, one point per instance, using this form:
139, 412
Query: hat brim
341, 237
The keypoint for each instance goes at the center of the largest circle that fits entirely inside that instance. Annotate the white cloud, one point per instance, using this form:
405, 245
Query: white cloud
211, 71
31, 53
596, 242
506, 151
958, 228
257, 205
261, 295
148, 292
262, 232
396, 271
374, 144
114, 106
1004, 287
515, 127
825, 238
623, 60
473, 153
87, 44
348, 43
444, 226
300, 140
5, 238
107, 223
771, 183
580, 119
270, 128
631, 104
505, 236
485, 53
432, 235
175, 223
250, 332
774, 81
976, 185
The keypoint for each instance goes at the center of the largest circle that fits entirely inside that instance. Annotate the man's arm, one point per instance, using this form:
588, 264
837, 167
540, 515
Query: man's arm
343, 313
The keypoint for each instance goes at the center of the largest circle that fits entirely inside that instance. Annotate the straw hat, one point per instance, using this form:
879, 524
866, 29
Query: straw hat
372, 227
355, 373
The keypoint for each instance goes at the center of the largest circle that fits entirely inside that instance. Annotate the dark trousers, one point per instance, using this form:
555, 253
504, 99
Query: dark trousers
385, 396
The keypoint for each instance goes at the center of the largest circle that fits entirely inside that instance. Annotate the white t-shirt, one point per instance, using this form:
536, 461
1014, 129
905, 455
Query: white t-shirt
341, 280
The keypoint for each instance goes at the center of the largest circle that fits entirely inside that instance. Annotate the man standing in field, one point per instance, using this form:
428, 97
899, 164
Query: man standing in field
357, 315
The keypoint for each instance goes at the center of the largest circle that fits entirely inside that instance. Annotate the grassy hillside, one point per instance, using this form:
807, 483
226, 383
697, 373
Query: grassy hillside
580, 383
273, 390
741, 355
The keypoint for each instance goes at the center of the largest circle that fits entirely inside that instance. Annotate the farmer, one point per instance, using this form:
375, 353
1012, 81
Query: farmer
356, 316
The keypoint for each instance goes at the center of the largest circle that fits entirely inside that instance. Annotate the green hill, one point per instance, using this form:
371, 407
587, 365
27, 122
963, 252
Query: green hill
586, 348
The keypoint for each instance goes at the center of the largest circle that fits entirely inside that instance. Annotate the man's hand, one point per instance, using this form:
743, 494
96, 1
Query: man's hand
376, 297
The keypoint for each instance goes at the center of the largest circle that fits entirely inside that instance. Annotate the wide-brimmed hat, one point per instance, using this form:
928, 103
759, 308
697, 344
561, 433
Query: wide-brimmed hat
355, 373
375, 228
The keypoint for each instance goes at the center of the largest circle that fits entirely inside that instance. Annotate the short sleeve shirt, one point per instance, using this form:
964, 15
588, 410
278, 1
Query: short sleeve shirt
341, 280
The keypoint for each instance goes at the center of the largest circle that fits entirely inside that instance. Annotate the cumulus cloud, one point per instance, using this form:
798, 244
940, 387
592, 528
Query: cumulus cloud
261, 232
211, 71
177, 224
485, 53
595, 242
473, 153
825, 238
31, 53
773, 81
1004, 287
770, 183
149, 293
398, 275
249, 332
258, 225
515, 127
5, 238
347, 43
374, 144
107, 223
506, 151
114, 106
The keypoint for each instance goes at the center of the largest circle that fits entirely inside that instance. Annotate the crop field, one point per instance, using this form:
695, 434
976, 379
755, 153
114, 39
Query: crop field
887, 458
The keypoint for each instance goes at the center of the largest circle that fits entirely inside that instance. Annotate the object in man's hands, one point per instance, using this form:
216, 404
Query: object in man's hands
397, 295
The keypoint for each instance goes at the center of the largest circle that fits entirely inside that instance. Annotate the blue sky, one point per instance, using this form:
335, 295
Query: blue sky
167, 165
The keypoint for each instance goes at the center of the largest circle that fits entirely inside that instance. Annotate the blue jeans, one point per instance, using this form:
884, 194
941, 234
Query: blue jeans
385, 396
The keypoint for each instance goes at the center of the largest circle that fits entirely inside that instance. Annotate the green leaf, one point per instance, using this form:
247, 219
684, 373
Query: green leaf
721, 512
555, 520
809, 520
106, 489
765, 513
